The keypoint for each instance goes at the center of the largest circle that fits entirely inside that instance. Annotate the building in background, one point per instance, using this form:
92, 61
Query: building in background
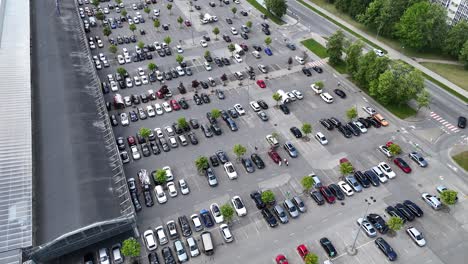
456, 9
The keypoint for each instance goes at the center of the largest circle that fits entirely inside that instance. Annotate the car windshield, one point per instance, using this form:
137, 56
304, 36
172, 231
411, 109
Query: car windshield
230, 169
418, 237
238, 203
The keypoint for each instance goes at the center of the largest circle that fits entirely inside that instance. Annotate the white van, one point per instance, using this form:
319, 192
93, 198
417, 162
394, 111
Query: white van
207, 242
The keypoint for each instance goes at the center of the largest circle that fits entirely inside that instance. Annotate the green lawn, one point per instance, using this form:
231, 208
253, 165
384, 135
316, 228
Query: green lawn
462, 160
262, 9
315, 47
454, 73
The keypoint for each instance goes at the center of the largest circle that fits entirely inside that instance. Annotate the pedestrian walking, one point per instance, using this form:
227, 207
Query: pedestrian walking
256, 148
279, 163
287, 163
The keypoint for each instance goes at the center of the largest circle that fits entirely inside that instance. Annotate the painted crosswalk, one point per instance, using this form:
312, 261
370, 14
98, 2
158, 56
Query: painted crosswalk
316, 63
445, 123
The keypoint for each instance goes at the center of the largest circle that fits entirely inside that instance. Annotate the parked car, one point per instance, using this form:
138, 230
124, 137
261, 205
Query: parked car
367, 227
386, 249
328, 247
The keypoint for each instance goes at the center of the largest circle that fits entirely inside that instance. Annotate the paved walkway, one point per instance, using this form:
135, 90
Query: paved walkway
438, 61
394, 54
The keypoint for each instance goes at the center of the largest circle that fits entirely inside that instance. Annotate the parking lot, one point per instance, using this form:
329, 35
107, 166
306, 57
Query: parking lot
253, 239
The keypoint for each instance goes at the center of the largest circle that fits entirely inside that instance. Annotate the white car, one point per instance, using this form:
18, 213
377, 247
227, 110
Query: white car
99, 43
416, 236
172, 189
137, 80
180, 71
432, 201
121, 59
160, 194
128, 59
272, 140
361, 127
125, 52
197, 225
124, 119
169, 175
192, 246
98, 64
386, 170
92, 45
230, 170
384, 149
380, 174
379, 52
156, 12
127, 101
162, 237
321, 138
207, 66
239, 109
291, 96
157, 46
300, 60
345, 188
255, 106
369, 110
169, 130
159, 76
238, 58
203, 43
297, 94
128, 82
184, 189
167, 107
141, 72
150, 111
234, 31
239, 206
216, 212
158, 109
158, 132
173, 142
256, 54
179, 49
180, 251
144, 79
150, 240
135, 153
327, 98
262, 68
367, 227
226, 233
113, 86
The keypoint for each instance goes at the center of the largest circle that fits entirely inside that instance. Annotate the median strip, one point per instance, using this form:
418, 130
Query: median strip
264, 11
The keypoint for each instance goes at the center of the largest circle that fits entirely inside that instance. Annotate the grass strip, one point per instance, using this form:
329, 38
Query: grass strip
262, 9
315, 47
462, 160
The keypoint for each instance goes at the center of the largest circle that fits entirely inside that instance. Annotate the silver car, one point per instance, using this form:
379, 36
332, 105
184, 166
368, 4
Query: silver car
193, 247
281, 214
180, 251
299, 204
291, 208
353, 183
418, 158
367, 227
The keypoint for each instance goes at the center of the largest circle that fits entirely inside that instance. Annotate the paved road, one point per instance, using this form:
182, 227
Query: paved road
73, 180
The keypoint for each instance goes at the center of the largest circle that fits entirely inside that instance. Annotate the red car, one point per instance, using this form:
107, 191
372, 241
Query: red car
261, 83
274, 156
187, 23
401, 163
175, 105
302, 250
160, 94
131, 140
344, 160
327, 194
281, 259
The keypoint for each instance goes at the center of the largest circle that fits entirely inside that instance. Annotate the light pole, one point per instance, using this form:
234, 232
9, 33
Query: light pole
191, 27
351, 250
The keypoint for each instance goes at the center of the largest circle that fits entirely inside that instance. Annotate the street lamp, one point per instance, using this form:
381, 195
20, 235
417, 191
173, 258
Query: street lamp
351, 250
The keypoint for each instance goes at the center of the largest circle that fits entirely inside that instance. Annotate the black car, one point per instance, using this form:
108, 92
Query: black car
336, 191
373, 122
224, 115
248, 165
244, 35
206, 218
214, 161
204, 85
285, 109
226, 38
324, 122
226, 61
345, 131
136, 201
164, 144
340, 93
161, 53
165, 26
257, 161
197, 7
216, 129
328, 247
205, 98
365, 122
233, 113
334, 121
148, 198
372, 177
222, 156
296, 132
257, 48
262, 104
257, 198
194, 123
416, 210
167, 255
218, 62
185, 226
153, 258
229, 21
181, 88
269, 217
266, 31
461, 122
392, 211
353, 128
193, 139
183, 103
154, 148
317, 69
244, 13
362, 179
378, 222
318, 197
208, 58
306, 71
386, 249
210, 118
405, 212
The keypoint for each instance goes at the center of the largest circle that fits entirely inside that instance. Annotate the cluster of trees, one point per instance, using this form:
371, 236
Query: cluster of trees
276, 7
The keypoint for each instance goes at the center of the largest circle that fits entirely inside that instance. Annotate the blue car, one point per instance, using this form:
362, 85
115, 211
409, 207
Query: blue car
268, 51
206, 218
113, 25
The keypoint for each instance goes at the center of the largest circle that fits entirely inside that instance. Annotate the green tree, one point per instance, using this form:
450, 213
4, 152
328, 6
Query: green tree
113, 49
353, 54
394, 149
448, 197
147, 10
122, 71
216, 113
249, 24
277, 97
107, 31
463, 57
145, 132
352, 7
131, 248
140, 44
275, 135
231, 48
397, 85
95, 3
207, 53
456, 37
216, 32
157, 24
276, 7
180, 20
395, 223
132, 28
239, 150
201, 163
346, 168
335, 46
268, 197
118, 2
179, 58
100, 16
306, 128
152, 67
370, 67
160, 176
167, 40
182, 122
423, 99
307, 183
267, 41
415, 30
319, 84
169, 7
351, 113
234, 11
227, 212
311, 258
124, 12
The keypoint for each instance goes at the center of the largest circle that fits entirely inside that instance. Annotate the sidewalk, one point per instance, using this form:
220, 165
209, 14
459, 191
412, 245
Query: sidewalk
393, 54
